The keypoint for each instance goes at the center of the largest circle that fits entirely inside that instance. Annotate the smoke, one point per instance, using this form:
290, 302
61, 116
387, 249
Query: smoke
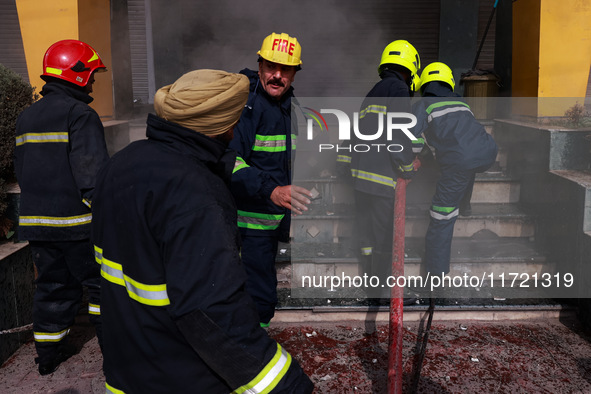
341, 41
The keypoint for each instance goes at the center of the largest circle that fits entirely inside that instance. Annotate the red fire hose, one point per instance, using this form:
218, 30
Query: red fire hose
397, 293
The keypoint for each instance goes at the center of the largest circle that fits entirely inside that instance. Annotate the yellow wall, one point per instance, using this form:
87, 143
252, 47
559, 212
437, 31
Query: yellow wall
44, 22
556, 63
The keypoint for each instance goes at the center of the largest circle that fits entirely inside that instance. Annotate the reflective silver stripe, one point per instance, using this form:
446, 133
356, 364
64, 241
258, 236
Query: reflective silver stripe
50, 336
259, 221
438, 113
112, 390
55, 221
439, 216
41, 137
270, 143
268, 378
94, 309
239, 164
344, 159
371, 177
153, 295
366, 251
376, 109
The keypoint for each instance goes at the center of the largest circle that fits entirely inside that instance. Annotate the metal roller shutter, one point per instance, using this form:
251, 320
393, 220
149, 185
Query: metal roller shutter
12, 53
139, 51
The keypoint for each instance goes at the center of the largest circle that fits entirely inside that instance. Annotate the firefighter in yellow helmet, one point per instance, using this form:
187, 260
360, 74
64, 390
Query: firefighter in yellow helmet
462, 148
375, 172
261, 183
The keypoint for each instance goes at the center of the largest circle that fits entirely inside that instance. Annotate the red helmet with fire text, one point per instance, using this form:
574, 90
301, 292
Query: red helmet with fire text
73, 61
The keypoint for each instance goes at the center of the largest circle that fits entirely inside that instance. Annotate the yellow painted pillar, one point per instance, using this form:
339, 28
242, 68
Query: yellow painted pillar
551, 54
45, 22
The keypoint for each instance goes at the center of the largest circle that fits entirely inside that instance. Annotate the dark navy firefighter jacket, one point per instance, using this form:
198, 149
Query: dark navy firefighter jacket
263, 139
376, 172
176, 318
459, 140
60, 147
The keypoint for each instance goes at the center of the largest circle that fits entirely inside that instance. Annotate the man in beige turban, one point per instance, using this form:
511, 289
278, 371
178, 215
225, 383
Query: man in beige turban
176, 317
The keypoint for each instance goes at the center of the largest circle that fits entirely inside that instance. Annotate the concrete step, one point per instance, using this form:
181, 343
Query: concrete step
480, 256
335, 223
490, 187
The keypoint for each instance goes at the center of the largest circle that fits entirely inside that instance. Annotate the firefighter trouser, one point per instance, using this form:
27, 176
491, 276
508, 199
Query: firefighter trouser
258, 256
62, 269
451, 189
374, 229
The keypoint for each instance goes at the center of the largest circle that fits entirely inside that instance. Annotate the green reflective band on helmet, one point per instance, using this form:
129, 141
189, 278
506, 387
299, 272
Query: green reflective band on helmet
272, 374
50, 336
371, 177
153, 295
443, 213
269, 143
343, 159
259, 221
374, 109
239, 164
49, 221
41, 137
112, 390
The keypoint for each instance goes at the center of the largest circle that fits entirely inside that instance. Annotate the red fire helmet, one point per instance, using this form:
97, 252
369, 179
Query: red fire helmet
73, 61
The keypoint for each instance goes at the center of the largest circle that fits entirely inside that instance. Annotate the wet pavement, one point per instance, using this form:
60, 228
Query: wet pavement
523, 356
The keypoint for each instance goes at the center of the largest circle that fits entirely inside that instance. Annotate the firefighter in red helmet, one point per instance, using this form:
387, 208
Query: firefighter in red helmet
60, 146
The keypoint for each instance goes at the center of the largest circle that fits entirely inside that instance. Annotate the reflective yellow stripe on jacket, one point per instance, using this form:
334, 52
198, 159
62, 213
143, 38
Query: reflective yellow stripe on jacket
268, 378
112, 390
52, 221
153, 295
41, 138
50, 336
371, 177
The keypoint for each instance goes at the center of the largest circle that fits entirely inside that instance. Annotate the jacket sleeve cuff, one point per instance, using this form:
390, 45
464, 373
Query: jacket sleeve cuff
267, 188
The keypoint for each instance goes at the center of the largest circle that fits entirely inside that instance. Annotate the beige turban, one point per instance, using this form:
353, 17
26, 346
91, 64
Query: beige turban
207, 101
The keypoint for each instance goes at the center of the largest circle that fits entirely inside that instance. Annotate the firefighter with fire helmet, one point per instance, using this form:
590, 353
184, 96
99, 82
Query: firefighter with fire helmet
462, 148
261, 182
375, 173
60, 146
176, 316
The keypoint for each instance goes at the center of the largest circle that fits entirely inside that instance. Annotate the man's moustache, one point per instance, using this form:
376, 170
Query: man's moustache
276, 82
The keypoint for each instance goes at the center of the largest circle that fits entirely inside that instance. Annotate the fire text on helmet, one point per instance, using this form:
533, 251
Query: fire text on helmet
283, 45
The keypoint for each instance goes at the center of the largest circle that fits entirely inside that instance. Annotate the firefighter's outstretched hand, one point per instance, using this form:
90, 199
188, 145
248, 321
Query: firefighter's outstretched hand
292, 197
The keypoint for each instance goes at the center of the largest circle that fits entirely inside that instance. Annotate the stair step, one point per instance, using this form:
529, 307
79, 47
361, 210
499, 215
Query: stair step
478, 256
490, 187
335, 223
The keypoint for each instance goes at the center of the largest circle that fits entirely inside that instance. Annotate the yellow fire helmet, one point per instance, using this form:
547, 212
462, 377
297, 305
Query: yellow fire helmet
401, 52
437, 71
416, 83
282, 49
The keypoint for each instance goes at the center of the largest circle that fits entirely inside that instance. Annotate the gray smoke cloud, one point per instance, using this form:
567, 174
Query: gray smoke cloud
341, 41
